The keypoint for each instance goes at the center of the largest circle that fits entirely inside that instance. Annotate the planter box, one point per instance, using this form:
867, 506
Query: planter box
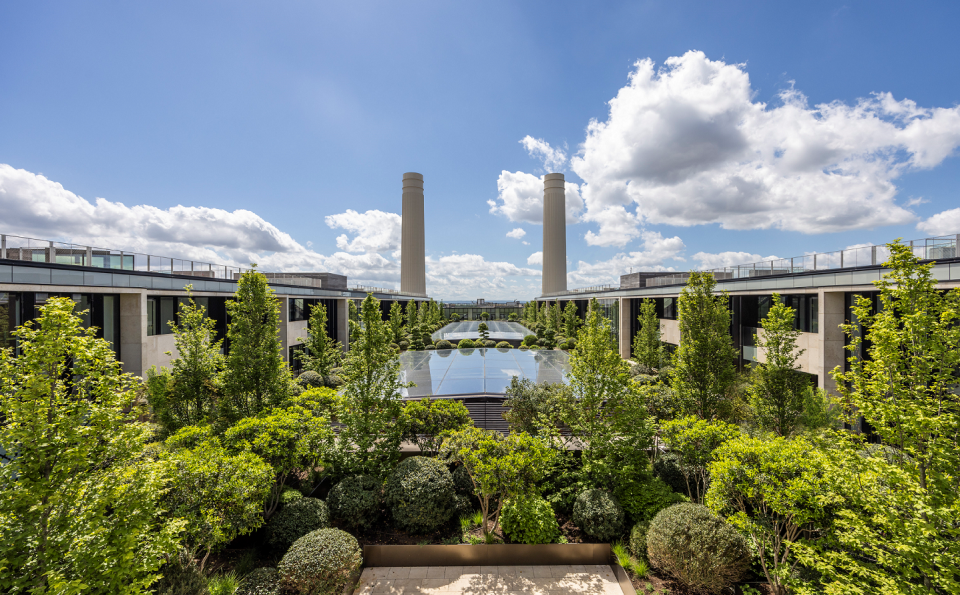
497, 554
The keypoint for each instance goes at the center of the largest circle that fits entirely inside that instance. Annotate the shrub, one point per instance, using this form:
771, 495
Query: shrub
420, 494
598, 514
530, 520
181, 576
296, 520
642, 500
430, 346
310, 379
463, 505
697, 548
444, 344
289, 495
524, 348
466, 344
504, 345
404, 344
667, 469
356, 500
530, 340
320, 563
395, 347
638, 540
489, 343
462, 483
262, 581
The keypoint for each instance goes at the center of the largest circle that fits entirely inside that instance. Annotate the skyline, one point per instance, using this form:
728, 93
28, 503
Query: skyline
675, 157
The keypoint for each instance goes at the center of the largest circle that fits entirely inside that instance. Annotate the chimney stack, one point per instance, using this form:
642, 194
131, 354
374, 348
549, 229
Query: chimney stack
554, 235
413, 278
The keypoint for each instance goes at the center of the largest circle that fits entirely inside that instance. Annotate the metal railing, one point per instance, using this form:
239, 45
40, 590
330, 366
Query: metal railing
591, 289
372, 289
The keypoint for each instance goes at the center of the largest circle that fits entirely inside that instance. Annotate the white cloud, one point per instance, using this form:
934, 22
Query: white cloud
520, 198
553, 159
376, 231
687, 145
525, 243
726, 259
471, 276
941, 224
535, 258
516, 233
656, 249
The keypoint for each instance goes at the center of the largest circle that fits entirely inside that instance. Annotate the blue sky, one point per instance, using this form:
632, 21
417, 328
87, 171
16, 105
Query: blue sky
234, 131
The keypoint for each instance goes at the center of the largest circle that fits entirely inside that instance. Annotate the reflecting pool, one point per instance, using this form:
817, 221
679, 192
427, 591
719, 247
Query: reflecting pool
446, 372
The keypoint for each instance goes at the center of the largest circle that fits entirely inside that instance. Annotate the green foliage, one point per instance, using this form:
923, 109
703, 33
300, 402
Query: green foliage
262, 581
256, 376
571, 322
223, 584
310, 379
530, 340
419, 494
512, 317
636, 566
504, 345
500, 468
78, 503
181, 576
704, 363
777, 390
396, 322
667, 468
647, 347
466, 344
484, 331
484, 316
412, 321
320, 563
536, 408
369, 442
219, 494
694, 440
489, 344
598, 514
698, 549
773, 492
189, 437
530, 520
289, 495
644, 497
356, 500
424, 421
523, 348
289, 439
321, 354
637, 543
296, 520
444, 344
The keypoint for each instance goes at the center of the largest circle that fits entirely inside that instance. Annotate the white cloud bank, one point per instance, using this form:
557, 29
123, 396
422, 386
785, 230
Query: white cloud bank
727, 259
516, 233
35, 206
686, 144
947, 222
520, 198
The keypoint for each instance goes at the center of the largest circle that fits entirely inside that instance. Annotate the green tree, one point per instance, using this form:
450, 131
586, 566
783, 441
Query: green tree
571, 322
288, 439
512, 317
704, 363
353, 320
484, 316
369, 442
322, 354
484, 331
774, 492
425, 420
79, 505
396, 322
500, 468
255, 376
778, 390
900, 530
537, 408
647, 346
412, 320
694, 440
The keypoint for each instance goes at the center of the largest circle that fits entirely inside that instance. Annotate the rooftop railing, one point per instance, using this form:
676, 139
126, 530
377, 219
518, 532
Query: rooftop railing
591, 289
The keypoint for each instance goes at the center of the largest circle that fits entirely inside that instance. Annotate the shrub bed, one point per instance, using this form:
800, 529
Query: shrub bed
296, 520
262, 581
420, 494
321, 562
356, 500
530, 520
598, 514
444, 344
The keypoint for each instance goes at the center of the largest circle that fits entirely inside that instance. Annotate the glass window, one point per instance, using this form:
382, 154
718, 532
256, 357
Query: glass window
151, 317
167, 312
111, 315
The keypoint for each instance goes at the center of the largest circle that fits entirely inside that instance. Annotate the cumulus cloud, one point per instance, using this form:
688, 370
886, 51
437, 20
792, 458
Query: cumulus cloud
535, 258
520, 198
941, 224
375, 231
470, 276
553, 159
656, 249
516, 233
686, 144
726, 259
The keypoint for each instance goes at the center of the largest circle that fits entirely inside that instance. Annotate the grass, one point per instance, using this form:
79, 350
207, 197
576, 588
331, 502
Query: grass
637, 567
223, 584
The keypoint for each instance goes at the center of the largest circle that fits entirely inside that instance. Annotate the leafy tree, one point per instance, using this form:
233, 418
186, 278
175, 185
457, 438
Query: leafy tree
512, 317
79, 505
773, 492
703, 364
353, 320
484, 316
424, 421
537, 408
900, 529
322, 353
555, 318
484, 331
369, 442
571, 322
256, 376
396, 322
412, 319
694, 440
778, 390
500, 468
647, 346
220, 495
288, 439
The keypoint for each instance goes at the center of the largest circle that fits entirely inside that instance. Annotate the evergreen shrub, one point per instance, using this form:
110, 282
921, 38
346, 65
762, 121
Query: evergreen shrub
262, 581
637, 544
419, 494
642, 500
310, 379
504, 345
321, 562
524, 348
181, 576
356, 500
404, 344
466, 344
461, 482
667, 469
530, 520
444, 344
296, 520
598, 514
530, 340
489, 343
289, 495
700, 550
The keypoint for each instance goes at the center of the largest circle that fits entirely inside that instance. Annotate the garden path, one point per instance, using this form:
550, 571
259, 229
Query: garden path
481, 580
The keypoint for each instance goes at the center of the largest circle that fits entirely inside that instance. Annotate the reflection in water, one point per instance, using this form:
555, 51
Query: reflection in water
478, 371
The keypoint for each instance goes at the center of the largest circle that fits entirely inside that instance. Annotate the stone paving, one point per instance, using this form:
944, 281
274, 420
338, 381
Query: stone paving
480, 580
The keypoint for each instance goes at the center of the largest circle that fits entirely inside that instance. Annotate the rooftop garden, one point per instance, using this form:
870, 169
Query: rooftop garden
225, 474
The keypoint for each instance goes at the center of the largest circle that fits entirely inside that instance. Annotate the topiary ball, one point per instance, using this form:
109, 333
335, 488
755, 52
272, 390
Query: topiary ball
404, 344
466, 344
637, 544
530, 340
420, 494
504, 345
321, 562
356, 500
700, 550
489, 343
530, 520
262, 581
289, 495
310, 379
296, 520
444, 344
462, 482
524, 348
598, 514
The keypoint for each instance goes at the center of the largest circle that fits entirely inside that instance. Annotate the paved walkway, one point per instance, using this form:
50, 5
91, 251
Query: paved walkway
480, 580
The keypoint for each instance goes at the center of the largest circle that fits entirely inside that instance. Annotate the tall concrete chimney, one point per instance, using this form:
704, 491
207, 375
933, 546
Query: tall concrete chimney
554, 235
413, 278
